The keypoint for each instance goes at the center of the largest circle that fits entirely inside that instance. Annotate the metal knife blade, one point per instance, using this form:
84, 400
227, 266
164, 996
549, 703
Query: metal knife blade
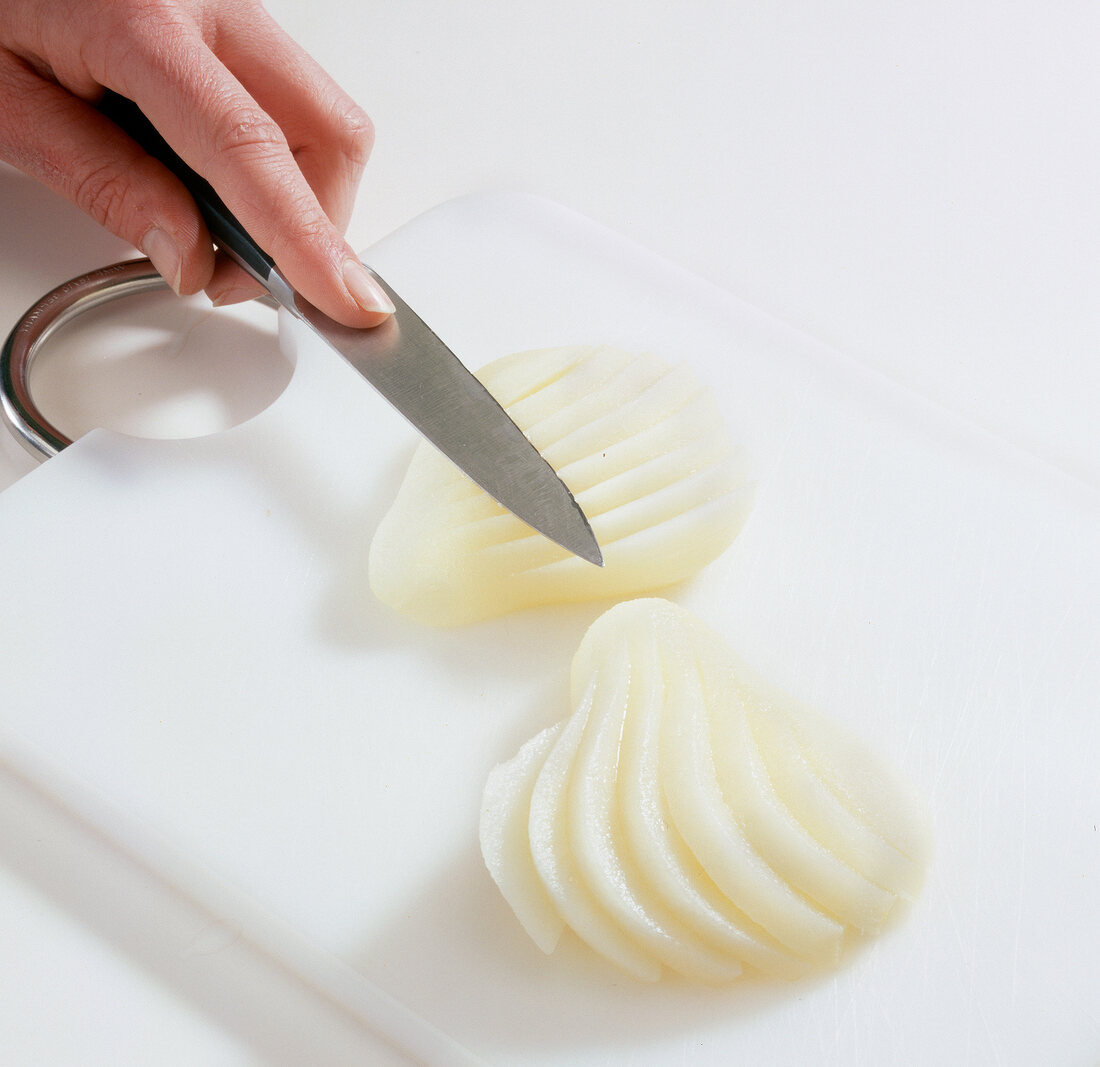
421, 377
407, 363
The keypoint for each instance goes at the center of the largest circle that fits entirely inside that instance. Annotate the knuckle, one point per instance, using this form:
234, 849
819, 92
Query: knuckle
142, 33
302, 225
243, 132
304, 234
354, 133
102, 192
290, 219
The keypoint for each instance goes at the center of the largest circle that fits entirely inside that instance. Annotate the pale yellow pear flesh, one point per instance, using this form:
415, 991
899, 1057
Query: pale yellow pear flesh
645, 453
687, 816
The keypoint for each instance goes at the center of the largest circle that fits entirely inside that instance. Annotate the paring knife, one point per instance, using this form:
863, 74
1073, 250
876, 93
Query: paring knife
406, 362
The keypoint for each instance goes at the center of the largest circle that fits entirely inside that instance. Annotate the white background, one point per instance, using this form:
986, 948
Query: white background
914, 185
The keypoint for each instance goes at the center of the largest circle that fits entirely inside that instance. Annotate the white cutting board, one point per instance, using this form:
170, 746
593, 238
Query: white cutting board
192, 657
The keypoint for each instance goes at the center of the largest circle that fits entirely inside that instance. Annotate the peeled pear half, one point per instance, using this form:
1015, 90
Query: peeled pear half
688, 816
646, 455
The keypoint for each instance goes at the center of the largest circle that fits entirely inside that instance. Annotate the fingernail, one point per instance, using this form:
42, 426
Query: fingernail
164, 254
365, 291
234, 295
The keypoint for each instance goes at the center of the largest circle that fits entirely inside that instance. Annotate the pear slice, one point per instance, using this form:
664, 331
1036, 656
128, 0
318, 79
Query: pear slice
686, 815
835, 824
593, 820
674, 873
712, 828
644, 451
505, 816
805, 863
553, 857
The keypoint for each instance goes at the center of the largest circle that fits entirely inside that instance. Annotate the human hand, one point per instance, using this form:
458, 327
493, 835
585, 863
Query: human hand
237, 99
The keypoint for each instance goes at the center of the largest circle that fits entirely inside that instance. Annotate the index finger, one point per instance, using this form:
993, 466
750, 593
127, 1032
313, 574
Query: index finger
208, 117
329, 135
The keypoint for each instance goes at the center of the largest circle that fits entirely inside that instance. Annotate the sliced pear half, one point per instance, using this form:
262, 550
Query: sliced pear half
639, 443
688, 816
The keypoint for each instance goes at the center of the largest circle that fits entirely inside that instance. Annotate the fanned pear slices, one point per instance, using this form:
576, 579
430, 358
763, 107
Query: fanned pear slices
643, 450
687, 816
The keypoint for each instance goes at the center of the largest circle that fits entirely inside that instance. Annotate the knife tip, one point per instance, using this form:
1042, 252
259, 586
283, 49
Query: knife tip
581, 540
593, 554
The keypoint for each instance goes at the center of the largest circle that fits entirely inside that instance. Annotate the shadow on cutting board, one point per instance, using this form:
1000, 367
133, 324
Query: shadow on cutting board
494, 991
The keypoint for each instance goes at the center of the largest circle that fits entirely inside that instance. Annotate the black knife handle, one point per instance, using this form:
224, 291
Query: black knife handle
229, 235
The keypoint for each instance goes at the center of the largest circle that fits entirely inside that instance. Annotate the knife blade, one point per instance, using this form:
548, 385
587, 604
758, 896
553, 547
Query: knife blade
405, 361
